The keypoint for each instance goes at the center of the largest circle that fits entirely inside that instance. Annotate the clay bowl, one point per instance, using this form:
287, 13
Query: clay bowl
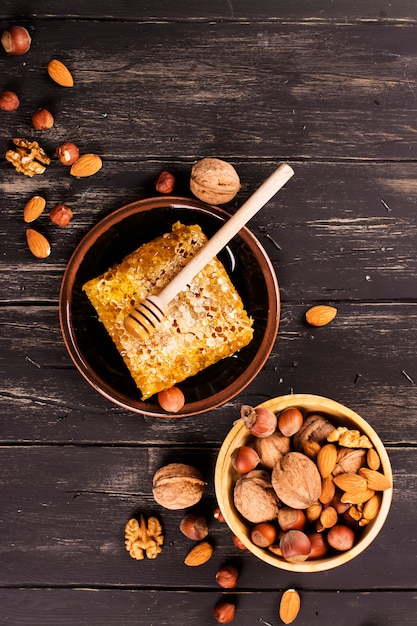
107, 243
225, 478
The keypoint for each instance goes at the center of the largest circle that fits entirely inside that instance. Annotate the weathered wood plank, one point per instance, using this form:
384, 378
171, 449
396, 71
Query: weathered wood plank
358, 360
112, 607
64, 509
286, 90
344, 232
236, 10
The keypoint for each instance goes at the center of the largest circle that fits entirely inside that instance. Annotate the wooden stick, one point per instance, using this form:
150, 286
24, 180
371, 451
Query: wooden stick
144, 318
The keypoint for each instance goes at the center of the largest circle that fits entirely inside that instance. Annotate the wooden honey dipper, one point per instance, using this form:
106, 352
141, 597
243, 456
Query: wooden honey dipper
144, 318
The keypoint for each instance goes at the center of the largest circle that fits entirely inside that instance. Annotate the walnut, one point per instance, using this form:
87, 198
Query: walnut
142, 538
255, 498
296, 480
349, 461
270, 449
349, 438
314, 428
28, 158
214, 181
178, 486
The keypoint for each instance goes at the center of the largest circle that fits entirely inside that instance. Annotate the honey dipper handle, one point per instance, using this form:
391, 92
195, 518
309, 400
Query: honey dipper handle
222, 237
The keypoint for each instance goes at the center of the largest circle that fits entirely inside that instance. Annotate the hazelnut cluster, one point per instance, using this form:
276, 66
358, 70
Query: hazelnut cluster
305, 487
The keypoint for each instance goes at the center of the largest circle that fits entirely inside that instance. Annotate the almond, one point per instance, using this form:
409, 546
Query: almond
320, 315
328, 490
350, 482
200, 554
326, 459
60, 73
328, 517
289, 606
371, 507
86, 165
372, 459
357, 496
374, 479
34, 207
38, 244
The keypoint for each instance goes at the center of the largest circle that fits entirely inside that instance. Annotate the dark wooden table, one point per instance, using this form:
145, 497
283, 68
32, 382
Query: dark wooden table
329, 87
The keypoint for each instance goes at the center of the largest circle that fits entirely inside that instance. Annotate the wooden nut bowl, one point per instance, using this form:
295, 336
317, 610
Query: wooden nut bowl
225, 478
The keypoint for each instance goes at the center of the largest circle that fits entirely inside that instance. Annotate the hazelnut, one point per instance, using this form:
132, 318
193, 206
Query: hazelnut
341, 537
61, 215
290, 421
227, 577
259, 422
214, 181
238, 542
224, 612
289, 518
264, 534
67, 153
319, 545
165, 183
178, 486
16, 40
218, 515
171, 400
9, 101
295, 546
194, 526
42, 119
244, 459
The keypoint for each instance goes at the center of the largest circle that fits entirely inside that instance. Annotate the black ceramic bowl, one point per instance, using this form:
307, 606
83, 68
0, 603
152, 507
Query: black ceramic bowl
107, 243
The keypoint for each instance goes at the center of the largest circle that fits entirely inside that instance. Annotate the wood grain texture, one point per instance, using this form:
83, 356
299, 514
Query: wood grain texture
336, 237
357, 360
329, 87
68, 528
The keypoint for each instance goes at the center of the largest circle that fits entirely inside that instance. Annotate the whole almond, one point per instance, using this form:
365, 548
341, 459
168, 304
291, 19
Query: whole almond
38, 244
328, 517
326, 459
374, 479
86, 165
200, 554
328, 489
350, 482
33, 209
289, 606
372, 507
320, 315
372, 459
358, 496
60, 73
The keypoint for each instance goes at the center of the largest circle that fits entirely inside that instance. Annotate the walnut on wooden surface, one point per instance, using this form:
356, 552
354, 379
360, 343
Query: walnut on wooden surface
144, 538
178, 486
28, 157
214, 181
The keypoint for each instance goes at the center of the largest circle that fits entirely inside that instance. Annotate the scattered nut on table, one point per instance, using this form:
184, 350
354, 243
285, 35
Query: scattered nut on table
144, 539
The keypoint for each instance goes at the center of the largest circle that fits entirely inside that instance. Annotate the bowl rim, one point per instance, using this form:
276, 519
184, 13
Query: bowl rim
70, 340
239, 433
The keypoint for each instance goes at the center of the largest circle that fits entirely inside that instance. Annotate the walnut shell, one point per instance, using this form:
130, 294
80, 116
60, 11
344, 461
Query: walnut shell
349, 461
270, 449
214, 181
255, 498
178, 486
296, 480
315, 428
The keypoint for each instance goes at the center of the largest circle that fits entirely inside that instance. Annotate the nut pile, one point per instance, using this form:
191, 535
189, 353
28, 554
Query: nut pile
305, 487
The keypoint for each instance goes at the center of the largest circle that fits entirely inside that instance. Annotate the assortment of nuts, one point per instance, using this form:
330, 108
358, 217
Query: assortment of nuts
307, 493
